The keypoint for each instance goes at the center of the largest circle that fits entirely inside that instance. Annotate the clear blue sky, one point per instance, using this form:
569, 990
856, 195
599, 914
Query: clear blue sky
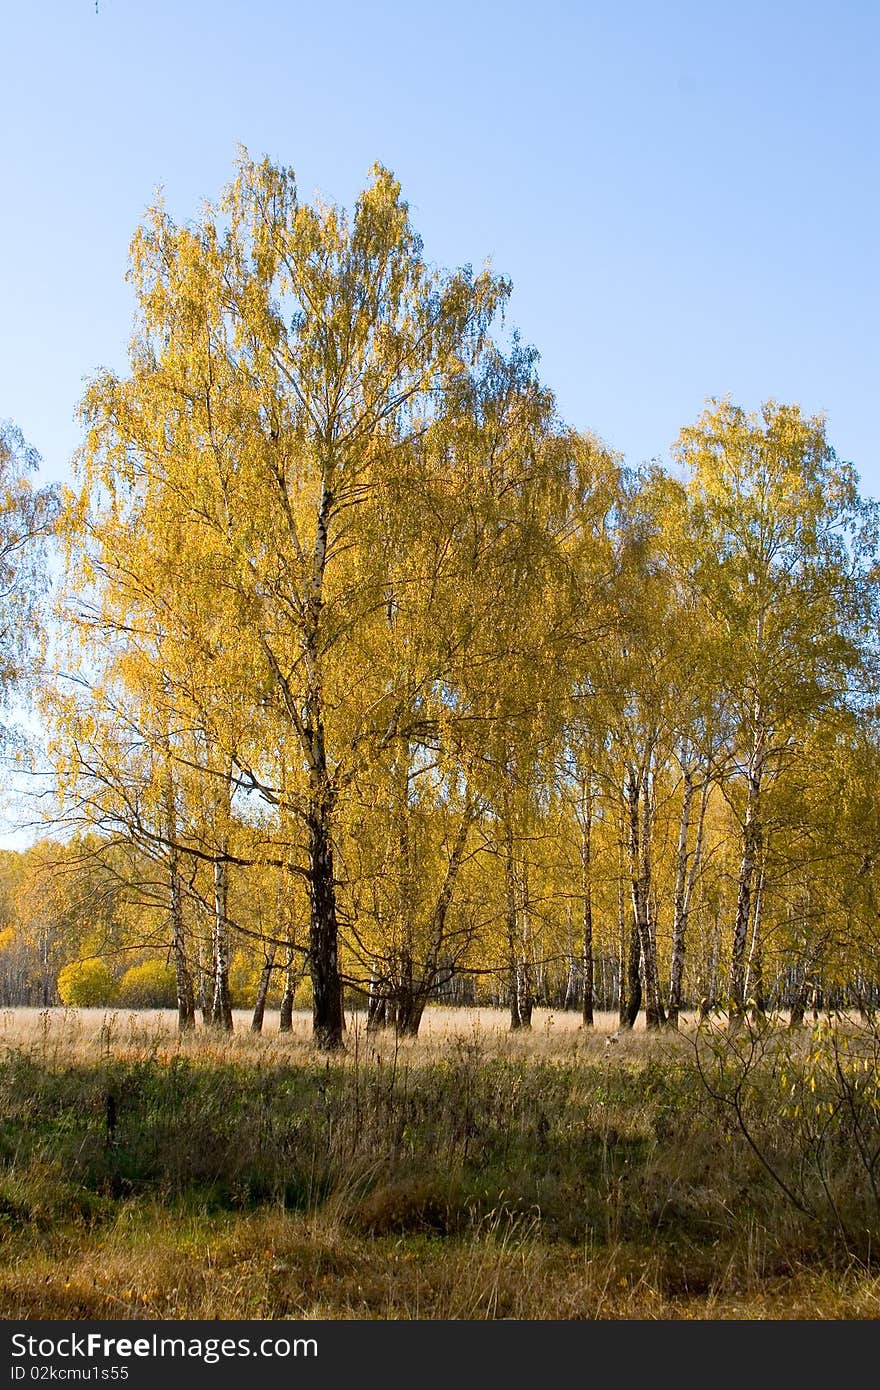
684, 195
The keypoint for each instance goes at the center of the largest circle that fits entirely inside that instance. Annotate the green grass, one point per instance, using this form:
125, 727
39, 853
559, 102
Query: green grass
468, 1180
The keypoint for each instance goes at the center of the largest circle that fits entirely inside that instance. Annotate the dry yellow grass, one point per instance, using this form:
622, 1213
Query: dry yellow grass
84, 1034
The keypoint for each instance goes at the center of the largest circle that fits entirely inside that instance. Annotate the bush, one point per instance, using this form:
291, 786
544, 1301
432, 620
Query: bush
152, 985
87, 984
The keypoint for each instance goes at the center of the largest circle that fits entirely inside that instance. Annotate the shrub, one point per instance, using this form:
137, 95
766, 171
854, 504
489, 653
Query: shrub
151, 985
87, 984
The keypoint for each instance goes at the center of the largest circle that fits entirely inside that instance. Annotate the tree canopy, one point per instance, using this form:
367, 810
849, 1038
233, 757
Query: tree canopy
382, 683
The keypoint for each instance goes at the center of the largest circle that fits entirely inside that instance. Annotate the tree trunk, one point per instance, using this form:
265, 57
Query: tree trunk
511, 925
201, 985
751, 854
751, 849
285, 1013
808, 991
679, 907
328, 1018
587, 894
569, 1000
714, 958
263, 990
409, 1001
221, 1007
625, 979
640, 823
291, 980
524, 978
377, 1005
403, 1002
407, 1004
377, 1013
655, 1014
633, 1001
186, 1002
753, 987
285, 928
684, 897
525, 994
409, 1012
328, 1021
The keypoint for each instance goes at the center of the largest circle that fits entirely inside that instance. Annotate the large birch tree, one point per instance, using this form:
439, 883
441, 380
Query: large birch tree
287, 364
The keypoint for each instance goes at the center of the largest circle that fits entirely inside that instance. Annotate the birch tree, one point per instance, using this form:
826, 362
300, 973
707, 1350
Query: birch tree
781, 552
287, 359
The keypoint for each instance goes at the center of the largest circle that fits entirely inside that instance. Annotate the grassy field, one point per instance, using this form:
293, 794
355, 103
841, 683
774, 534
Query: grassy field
468, 1174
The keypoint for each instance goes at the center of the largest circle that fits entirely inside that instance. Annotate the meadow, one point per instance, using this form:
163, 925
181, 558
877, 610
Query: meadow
471, 1173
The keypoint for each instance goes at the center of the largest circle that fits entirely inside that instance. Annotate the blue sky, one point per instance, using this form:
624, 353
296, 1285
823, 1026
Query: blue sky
685, 195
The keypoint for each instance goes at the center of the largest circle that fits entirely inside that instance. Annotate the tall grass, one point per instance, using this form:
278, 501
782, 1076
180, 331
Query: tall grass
469, 1174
